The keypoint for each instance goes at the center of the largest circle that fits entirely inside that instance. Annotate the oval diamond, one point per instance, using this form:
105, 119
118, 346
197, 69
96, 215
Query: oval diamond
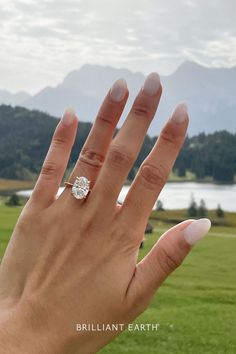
80, 188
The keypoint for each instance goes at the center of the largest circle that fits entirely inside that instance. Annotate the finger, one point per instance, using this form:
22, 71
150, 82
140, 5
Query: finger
126, 145
94, 150
166, 255
56, 161
155, 170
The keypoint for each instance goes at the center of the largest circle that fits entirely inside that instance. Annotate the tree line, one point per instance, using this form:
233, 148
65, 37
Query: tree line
25, 137
209, 155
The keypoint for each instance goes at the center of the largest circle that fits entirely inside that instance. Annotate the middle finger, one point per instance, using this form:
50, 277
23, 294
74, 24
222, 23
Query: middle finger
127, 143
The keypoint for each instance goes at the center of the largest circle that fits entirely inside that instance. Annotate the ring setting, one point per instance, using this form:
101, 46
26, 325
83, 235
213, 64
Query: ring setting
80, 188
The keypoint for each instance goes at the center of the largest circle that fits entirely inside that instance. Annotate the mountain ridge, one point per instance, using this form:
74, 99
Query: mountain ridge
209, 93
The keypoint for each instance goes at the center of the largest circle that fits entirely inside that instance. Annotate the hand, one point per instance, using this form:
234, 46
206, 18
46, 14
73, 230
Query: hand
74, 261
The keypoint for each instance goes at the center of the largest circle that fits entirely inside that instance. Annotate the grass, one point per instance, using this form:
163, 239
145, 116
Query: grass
14, 185
176, 216
8, 218
196, 306
189, 177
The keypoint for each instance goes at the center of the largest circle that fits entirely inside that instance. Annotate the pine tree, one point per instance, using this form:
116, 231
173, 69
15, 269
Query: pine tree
14, 200
202, 210
220, 212
192, 209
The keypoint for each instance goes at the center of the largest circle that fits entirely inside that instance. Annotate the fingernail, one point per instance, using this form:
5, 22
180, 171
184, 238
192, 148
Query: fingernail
180, 113
118, 90
196, 231
69, 116
152, 84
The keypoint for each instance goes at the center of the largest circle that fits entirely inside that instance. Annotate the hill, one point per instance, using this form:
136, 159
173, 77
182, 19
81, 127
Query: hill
13, 99
209, 93
25, 137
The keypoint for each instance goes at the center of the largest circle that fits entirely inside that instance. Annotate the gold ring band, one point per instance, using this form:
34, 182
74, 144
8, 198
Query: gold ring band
68, 184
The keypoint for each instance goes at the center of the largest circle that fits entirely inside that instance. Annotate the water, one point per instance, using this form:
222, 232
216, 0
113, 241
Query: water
178, 195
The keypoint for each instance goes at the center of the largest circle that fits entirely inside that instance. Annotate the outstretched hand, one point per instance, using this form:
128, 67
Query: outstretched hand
74, 261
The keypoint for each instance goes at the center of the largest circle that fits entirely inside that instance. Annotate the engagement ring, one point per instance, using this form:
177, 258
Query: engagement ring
80, 188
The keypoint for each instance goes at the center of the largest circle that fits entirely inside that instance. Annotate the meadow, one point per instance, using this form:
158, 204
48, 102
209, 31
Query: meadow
195, 308
7, 185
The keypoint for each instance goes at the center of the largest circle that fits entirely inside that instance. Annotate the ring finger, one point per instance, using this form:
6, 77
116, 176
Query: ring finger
94, 150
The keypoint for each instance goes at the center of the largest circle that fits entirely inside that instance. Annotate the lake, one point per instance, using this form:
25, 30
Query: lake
178, 195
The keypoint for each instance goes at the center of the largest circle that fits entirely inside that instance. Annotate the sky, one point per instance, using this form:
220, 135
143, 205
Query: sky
41, 41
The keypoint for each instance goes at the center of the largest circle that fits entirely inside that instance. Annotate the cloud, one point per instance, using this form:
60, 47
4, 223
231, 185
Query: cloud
41, 41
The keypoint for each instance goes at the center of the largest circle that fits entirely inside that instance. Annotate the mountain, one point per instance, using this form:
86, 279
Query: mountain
209, 93
13, 99
84, 90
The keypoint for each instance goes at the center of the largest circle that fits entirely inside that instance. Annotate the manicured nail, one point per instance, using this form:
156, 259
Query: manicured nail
196, 231
152, 84
69, 116
180, 113
118, 90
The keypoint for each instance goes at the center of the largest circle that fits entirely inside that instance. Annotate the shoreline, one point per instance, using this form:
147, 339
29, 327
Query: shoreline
8, 186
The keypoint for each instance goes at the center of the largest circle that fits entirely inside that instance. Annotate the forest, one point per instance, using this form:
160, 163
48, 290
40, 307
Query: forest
25, 137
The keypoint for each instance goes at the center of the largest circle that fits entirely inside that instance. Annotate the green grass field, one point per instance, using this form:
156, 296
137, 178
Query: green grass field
195, 308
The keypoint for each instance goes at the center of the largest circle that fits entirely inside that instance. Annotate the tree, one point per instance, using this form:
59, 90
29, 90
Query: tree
14, 200
159, 205
25, 137
224, 172
192, 209
198, 164
182, 170
202, 210
220, 212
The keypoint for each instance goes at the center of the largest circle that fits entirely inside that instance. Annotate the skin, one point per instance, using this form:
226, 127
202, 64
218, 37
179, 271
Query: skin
75, 261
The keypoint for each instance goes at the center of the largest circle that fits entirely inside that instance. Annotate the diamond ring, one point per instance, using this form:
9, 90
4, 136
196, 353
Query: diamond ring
80, 188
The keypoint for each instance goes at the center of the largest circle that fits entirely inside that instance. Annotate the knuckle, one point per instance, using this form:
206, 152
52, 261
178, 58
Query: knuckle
120, 157
23, 225
153, 176
106, 119
27, 221
168, 259
91, 157
58, 142
169, 138
49, 169
141, 109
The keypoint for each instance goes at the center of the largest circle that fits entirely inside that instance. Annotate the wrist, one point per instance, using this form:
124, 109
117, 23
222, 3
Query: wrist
19, 334
23, 332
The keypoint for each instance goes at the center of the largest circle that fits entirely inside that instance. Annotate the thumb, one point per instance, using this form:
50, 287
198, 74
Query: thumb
166, 255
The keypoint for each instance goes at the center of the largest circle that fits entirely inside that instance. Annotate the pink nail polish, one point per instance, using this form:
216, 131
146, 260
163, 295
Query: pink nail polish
180, 113
196, 231
152, 84
118, 90
69, 116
